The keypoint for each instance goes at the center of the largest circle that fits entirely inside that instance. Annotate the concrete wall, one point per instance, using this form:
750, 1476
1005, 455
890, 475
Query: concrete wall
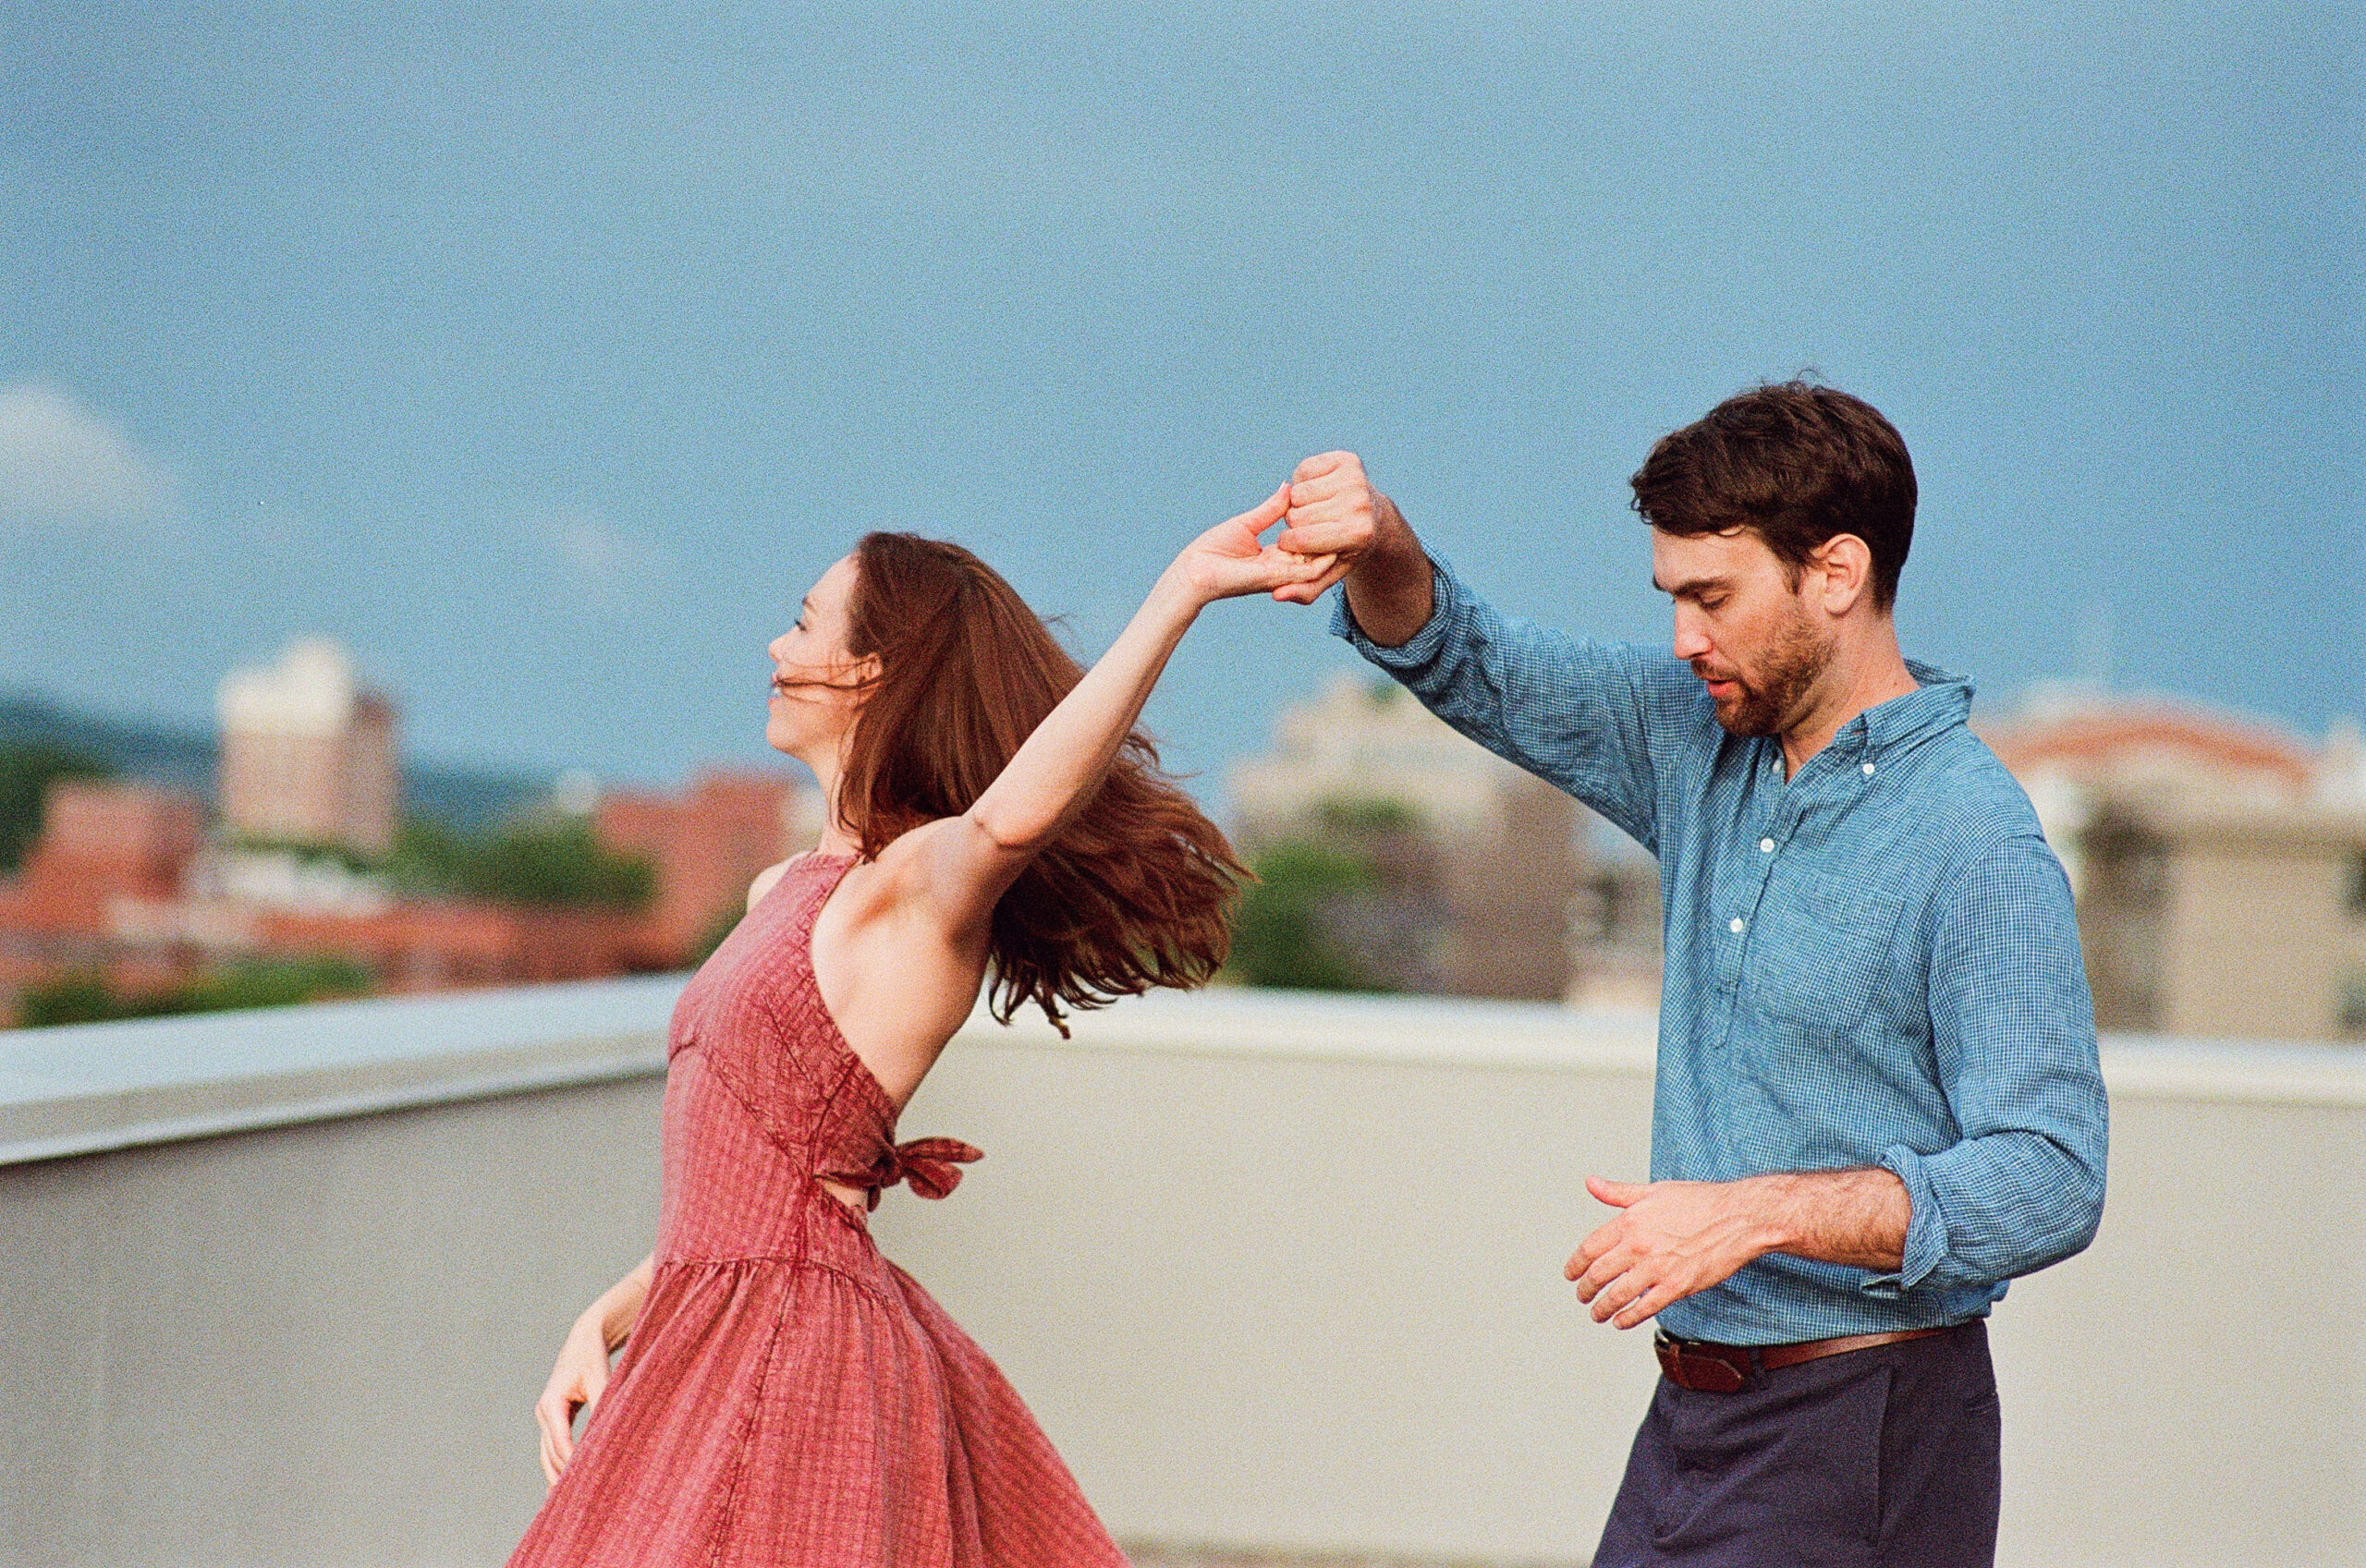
317, 1344
1271, 1272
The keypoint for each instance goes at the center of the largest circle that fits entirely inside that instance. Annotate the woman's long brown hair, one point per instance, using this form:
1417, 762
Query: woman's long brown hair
1135, 889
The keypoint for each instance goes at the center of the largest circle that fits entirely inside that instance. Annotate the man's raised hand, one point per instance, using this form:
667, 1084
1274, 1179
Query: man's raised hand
1332, 511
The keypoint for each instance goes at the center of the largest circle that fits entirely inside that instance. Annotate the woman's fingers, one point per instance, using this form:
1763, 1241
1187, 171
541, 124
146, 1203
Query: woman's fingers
558, 1423
1267, 512
554, 1458
1280, 568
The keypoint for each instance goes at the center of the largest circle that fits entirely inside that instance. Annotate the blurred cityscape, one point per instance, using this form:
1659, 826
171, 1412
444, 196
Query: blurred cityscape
2207, 850
128, 892
292, 855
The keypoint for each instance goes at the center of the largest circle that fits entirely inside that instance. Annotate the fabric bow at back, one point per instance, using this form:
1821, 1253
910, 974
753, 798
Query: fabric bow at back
932, 1166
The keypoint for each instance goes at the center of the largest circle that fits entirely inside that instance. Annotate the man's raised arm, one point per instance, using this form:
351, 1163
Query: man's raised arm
1583, 716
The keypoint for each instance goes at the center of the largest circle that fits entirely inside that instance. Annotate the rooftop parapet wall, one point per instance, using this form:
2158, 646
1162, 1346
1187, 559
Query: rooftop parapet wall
1275, 1271
93, 1087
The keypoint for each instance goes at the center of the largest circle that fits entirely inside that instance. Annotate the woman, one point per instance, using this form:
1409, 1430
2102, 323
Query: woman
785, 1395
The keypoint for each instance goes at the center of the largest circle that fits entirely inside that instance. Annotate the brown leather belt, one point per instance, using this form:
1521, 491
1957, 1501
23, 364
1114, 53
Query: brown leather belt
1708, 1367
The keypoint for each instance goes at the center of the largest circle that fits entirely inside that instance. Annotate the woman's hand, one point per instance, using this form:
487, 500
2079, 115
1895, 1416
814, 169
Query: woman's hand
1227, 561
576, 1383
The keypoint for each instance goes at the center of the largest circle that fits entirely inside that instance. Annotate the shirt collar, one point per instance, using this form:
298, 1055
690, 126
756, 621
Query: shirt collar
1942, 701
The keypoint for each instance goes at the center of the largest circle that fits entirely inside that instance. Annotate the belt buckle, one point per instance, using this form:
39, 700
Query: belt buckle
1700, 1372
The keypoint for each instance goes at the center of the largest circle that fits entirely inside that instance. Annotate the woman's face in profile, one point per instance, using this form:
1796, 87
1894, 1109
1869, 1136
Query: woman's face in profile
812, 705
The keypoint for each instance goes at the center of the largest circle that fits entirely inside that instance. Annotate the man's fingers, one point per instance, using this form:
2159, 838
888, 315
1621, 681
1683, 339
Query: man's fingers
1605, 1268
1320, 464
1603, 1238
1284, 569
1307, 592
1319, 536
1616, 1293
1328, 509
1324, 487
1647, 1306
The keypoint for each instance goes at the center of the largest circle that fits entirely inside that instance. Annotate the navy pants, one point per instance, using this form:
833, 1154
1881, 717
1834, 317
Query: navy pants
1876, 1457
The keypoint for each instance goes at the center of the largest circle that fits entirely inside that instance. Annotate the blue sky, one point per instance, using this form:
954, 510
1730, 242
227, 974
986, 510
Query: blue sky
545, 354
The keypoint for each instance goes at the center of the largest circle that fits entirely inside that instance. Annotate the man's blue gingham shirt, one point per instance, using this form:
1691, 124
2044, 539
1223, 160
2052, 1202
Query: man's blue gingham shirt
1874, 963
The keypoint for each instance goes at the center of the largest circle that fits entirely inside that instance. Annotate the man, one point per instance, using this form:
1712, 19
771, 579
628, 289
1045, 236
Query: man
1877, 1095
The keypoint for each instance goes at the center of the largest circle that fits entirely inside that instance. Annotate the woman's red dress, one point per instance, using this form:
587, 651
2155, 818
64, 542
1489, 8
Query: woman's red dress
788, 1396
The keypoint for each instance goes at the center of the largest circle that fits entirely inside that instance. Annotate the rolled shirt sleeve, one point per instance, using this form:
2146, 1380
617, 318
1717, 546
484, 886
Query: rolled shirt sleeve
2013, 1028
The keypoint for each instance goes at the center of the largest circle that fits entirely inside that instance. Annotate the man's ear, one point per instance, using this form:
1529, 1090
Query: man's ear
1845, 563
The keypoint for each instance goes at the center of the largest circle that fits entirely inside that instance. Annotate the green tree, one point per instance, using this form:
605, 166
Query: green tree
68, 999
1281, 932
1368, 817
84, 998
428, 857
270, 982
555, 862
26, 774
550, 862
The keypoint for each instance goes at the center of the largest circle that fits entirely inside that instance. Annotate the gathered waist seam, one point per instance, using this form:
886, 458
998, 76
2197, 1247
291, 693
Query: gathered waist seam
777, 1261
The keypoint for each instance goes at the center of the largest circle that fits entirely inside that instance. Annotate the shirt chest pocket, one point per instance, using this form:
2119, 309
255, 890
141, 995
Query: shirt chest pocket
1819, 952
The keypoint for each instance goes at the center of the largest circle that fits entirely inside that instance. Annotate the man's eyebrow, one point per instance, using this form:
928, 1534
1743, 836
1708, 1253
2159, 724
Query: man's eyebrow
1689, 585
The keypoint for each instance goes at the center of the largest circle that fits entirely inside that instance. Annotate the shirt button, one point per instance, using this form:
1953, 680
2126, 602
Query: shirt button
1735, 924
1766, 846
1869, 770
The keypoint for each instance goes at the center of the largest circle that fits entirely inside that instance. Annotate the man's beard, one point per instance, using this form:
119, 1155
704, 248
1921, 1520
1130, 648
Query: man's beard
1768, 699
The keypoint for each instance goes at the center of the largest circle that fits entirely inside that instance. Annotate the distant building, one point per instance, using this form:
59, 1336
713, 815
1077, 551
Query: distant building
307, 757
706, 845
1491, 858
102, 844
123, 885
2219, 863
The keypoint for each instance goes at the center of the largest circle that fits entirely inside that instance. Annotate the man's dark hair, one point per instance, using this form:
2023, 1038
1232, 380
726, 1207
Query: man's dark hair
1794, 464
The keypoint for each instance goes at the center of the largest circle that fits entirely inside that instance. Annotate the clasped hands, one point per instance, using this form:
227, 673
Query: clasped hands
1331, 512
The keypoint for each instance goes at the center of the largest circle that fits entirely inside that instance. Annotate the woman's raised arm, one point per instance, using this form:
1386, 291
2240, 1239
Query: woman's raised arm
967, 862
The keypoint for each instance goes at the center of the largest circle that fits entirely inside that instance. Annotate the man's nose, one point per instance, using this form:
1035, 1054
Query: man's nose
1690, 642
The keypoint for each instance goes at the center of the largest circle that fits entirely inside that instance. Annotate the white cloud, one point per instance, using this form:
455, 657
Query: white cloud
599, 564
63, 464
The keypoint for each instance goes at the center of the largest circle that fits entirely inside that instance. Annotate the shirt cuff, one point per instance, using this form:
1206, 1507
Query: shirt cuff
1926, 1226
1414, 652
